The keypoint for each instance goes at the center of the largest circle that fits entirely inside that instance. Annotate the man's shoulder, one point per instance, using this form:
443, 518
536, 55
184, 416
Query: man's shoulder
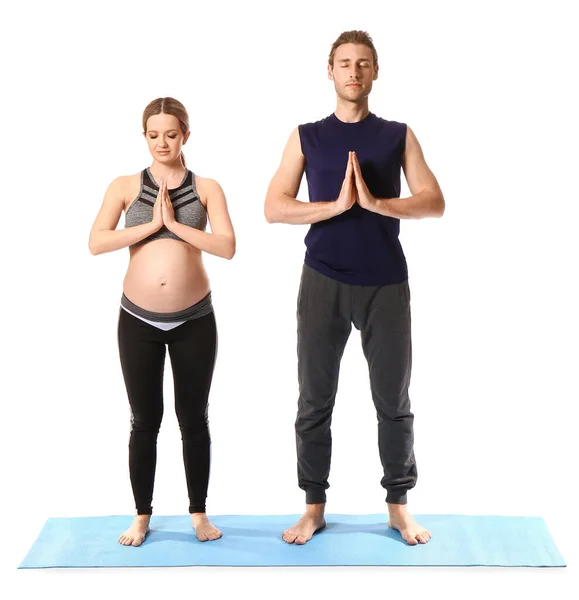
314, 124
390, 123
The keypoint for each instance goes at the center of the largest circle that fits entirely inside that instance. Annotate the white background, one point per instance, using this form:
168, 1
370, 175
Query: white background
489, 93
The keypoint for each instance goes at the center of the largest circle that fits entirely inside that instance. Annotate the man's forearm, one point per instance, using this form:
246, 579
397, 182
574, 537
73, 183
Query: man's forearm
427, 203
295, 212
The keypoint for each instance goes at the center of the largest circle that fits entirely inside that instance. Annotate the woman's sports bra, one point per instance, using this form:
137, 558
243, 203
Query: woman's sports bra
186, 203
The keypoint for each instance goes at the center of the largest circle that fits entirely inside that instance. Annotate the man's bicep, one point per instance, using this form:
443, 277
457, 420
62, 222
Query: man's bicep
417, 172
288, 176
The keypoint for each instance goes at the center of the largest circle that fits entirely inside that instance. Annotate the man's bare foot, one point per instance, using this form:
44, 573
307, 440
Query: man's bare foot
311, 521
136, 533
401, 520
204, 530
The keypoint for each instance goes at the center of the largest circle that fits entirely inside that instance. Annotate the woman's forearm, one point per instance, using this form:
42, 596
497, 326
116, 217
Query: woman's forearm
213, 243
108, 240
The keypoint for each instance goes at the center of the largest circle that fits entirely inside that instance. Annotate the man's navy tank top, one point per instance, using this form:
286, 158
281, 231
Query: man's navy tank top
358, 247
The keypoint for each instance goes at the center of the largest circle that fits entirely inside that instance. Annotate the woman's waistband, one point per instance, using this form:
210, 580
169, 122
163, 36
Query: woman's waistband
198, 310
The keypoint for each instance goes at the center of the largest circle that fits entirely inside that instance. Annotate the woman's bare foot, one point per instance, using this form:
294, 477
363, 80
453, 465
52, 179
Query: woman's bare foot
401, 520
303, 531
204, 530
136, 533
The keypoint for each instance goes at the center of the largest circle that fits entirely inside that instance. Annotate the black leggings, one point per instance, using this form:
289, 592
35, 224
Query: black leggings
192, 349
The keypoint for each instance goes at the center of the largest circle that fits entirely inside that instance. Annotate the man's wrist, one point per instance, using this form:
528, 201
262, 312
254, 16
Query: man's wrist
334, 209
382, 206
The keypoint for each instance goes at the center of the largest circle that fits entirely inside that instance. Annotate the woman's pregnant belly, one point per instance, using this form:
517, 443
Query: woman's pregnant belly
165, 276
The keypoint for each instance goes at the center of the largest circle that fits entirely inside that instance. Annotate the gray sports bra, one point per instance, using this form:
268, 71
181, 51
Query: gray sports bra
186, 203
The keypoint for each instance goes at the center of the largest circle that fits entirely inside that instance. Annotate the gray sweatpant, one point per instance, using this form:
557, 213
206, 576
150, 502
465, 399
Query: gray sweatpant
325, 313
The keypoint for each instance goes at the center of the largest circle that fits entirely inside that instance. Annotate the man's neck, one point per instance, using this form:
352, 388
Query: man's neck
352, 112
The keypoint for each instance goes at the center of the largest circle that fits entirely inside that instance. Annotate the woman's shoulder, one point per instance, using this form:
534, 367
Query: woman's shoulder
124, 181
206, 185
126, 187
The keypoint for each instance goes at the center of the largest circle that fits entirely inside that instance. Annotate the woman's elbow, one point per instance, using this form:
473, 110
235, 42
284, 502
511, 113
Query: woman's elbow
230, 250
438, 206
93, 247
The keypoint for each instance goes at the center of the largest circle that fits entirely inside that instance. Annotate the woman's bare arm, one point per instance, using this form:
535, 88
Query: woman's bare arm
221, 240
104, 237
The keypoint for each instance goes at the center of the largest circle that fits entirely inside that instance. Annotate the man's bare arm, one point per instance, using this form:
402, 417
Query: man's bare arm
427, 199
281, 204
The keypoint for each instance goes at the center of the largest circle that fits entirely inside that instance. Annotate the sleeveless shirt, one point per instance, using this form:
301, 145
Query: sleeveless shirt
357, 247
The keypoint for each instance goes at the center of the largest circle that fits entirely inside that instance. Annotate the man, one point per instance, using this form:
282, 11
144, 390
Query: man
355, 272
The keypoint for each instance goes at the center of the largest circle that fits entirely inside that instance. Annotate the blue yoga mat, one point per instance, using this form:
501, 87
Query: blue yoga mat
348, 540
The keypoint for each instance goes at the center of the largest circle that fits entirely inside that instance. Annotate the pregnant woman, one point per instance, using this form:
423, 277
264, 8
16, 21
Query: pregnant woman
166, 303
